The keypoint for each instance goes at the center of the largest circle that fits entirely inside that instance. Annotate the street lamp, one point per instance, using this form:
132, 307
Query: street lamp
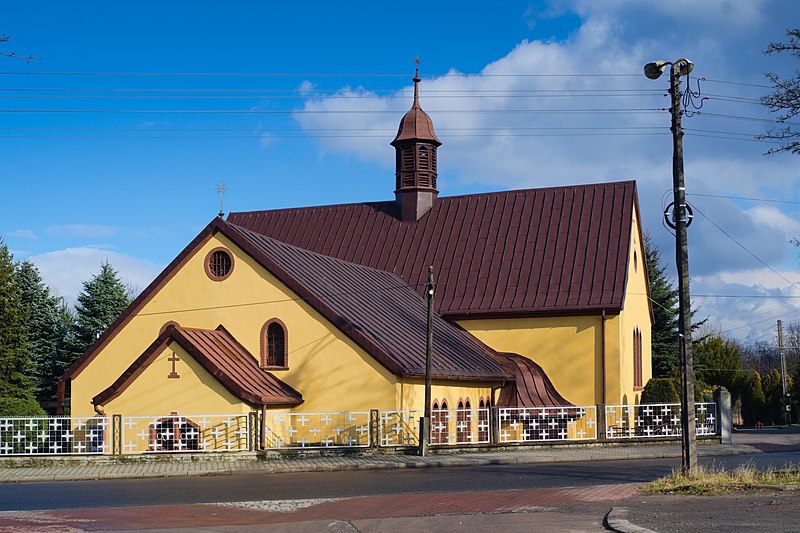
679, 221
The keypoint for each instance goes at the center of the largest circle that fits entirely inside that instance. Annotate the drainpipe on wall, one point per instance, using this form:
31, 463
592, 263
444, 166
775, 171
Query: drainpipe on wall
263, 428
603, 319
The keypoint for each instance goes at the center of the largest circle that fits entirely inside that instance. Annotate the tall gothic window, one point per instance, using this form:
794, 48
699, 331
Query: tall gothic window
637, 359
273, 345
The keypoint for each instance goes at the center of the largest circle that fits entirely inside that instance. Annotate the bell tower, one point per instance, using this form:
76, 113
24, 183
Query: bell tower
415, 161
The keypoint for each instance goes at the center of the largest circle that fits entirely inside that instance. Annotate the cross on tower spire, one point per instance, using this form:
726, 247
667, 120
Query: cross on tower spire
221, 189
416, 79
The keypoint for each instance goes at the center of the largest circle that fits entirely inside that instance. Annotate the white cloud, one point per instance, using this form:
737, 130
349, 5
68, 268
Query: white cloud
66, 270
91, 231
23, 234
513, 125
773, 218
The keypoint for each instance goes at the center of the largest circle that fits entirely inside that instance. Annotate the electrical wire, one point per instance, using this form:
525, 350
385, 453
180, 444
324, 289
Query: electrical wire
744, 198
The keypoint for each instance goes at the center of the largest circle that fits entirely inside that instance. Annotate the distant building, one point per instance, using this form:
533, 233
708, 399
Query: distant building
541, 299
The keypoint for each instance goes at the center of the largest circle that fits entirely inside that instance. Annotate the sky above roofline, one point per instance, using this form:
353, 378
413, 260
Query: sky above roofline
525, 94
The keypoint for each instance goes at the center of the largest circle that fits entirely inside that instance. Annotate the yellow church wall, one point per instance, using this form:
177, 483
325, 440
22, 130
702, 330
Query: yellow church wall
567, 349
635, 315
195, 392
411, 393
327, 368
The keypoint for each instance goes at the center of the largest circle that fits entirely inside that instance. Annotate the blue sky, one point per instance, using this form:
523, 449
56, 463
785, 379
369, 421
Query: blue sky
302, 100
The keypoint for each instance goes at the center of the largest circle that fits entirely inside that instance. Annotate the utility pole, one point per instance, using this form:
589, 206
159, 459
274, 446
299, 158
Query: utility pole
787, 415
680, 220
425, 423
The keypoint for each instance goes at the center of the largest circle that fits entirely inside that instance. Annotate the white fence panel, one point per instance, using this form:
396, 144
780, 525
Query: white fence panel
399, 428
536, 424
55, 435
459, 426
185, 433
656, 420
318, 430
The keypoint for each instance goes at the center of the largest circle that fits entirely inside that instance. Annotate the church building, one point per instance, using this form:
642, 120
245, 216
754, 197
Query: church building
540, 299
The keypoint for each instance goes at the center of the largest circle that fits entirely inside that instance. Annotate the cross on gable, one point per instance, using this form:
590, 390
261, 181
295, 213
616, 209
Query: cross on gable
173, 359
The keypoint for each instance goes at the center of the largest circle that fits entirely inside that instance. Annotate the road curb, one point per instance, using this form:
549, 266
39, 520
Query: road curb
617, 520
153, 469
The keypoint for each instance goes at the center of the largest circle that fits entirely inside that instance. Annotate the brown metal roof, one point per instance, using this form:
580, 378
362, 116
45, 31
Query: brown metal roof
222, 357
550, 250
416, 124
530, 388
376, 309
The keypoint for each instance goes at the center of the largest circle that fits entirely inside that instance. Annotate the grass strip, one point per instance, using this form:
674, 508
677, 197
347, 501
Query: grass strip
714, 480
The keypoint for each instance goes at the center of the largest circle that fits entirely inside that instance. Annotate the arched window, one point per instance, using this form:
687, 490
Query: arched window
637, 359
463, 422
483, 421
174, 433
439, 423
273, 345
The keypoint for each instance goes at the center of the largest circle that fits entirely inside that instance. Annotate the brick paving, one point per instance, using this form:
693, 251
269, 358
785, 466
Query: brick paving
563, 509
346, 509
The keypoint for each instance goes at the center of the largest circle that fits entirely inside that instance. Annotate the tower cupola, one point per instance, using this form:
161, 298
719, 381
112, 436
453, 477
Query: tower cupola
415, 162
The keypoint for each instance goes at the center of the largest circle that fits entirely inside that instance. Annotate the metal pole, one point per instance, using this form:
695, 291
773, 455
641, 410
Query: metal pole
688, 422
425, 423
787, 415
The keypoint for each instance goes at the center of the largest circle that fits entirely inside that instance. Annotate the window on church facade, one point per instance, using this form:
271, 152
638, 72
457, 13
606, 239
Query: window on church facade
273, 345
483, 421
219, 264
463, 421
637, 359
439, 423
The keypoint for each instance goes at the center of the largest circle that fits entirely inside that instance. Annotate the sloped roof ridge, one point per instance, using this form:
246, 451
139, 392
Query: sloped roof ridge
440, 198
321, 257
238, 371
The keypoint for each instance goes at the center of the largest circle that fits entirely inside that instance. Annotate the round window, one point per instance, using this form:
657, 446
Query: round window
219, 264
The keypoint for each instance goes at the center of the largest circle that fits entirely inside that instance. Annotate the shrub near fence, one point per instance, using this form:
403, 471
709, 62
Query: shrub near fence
240, 432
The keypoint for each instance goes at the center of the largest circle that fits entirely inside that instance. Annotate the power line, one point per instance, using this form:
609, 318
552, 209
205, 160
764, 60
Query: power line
305, 75
754, 256
744, 198
338, 111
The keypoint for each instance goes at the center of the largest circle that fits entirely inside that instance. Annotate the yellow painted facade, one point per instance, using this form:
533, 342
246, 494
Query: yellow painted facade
194, 392
589, 358
330, 370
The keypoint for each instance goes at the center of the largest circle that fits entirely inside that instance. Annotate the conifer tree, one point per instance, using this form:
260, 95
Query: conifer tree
49, 327
16, 397
718, 362
666, 353
102, 300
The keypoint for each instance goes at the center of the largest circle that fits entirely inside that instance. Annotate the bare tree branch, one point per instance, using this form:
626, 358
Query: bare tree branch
785, 98
4, 39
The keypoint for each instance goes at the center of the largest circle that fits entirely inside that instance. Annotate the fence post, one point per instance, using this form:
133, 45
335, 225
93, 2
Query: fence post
600, 410
252, 431
494, 431
724, 415
116, 434
374, 420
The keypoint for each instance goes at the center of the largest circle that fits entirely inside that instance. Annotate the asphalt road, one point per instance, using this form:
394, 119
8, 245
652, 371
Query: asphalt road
260, 486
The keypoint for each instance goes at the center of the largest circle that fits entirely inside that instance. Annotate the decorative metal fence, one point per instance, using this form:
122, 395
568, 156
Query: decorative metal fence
532, 424
399, 428
56, 435
656, 420
185, 433
290, 430
317, 430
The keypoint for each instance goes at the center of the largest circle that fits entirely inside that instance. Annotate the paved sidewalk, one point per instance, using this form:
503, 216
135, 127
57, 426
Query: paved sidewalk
77, 468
